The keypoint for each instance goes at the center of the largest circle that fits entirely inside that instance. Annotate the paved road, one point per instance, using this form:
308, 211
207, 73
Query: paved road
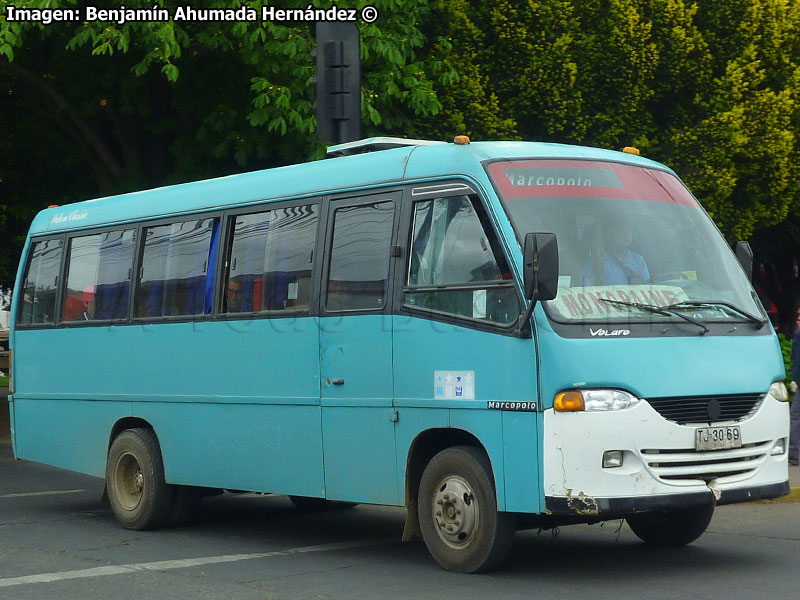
58, 541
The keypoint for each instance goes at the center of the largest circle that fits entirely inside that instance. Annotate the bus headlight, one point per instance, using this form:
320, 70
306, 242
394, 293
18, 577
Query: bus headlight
778, 391
593, 400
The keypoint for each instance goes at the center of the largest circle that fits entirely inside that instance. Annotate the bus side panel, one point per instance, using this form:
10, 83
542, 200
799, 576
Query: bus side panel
247, 389
59, 418
235, 404
487, 426
359, 455
500, 368
520, 451
254, 447
70, 434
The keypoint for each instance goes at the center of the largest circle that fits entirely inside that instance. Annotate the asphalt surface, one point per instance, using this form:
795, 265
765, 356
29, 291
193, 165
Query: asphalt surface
57, 540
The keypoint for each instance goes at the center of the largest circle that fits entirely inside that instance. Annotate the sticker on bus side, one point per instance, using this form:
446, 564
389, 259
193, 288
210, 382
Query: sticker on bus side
454, 385
515, 406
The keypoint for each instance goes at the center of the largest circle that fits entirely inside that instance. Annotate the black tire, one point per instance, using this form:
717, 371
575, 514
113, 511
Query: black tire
458, 514
139, 497
307, 504
671, 528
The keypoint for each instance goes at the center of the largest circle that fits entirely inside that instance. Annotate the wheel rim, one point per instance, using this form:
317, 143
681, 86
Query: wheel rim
456, 512
128, 481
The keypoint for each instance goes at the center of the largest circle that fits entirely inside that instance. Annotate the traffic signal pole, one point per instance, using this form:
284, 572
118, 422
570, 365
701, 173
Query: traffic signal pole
338, 82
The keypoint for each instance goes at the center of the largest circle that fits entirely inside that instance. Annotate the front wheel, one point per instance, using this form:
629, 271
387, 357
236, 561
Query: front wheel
458, 514
671, 528
140, 499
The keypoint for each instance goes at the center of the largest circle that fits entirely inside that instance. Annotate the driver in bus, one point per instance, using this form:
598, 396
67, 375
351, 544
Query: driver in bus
611, 261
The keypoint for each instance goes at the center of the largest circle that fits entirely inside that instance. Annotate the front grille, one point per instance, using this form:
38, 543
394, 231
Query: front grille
706, 409
685, 465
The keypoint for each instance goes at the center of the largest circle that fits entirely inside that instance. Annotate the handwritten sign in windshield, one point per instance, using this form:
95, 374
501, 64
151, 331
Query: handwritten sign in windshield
587, 302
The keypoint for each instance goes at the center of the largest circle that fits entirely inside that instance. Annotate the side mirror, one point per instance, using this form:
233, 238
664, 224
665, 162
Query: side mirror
745, 255
540, 266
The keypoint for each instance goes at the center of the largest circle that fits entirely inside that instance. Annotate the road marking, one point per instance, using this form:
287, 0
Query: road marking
51, 493
164, 565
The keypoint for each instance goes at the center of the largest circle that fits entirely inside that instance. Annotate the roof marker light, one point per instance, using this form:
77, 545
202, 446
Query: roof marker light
461, 140
53, 206
631, 150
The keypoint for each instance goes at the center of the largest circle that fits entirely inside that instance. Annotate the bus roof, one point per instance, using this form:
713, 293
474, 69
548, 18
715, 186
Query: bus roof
360, 171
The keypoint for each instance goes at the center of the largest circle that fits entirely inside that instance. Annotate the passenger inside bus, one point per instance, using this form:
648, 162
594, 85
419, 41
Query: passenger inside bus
88, 303
611, 261
233, 296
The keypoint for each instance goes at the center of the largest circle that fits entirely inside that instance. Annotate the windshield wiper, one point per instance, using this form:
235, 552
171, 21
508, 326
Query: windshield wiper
698, 303
660, 310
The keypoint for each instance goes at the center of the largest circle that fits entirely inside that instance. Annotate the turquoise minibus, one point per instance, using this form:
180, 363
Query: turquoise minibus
493, 335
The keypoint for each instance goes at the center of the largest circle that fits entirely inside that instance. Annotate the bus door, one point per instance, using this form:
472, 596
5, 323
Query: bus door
356, 350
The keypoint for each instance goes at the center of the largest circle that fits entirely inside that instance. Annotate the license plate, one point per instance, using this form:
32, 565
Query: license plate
717, 438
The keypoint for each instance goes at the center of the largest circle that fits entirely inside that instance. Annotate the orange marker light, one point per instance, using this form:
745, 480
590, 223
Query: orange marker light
631, 150
53, 206
461, 140
569, 401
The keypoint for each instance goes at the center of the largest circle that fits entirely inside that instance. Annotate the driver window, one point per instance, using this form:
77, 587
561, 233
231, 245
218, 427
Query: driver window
454, 249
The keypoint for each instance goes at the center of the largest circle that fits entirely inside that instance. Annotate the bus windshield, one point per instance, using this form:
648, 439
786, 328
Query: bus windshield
630, 239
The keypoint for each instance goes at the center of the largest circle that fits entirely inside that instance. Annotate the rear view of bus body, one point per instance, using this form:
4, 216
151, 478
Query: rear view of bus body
355, 330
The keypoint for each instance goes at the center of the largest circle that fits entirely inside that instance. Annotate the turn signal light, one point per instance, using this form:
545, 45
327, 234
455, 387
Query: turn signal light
569, 401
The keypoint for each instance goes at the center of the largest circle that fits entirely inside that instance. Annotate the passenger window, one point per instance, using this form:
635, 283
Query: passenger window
99, 276
176, 277
359, 266
38, 301
270, 262
454, 250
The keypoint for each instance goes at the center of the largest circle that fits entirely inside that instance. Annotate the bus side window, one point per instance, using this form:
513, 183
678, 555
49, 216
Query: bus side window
98, 276
453, 245
38, 301
175, 269
358, 277
270, 260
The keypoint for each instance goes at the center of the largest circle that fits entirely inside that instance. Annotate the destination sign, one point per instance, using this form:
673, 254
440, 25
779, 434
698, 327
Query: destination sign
516, 179
562, 176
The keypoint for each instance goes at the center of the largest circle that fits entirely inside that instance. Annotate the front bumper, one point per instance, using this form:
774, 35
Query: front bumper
609, 508
661, 470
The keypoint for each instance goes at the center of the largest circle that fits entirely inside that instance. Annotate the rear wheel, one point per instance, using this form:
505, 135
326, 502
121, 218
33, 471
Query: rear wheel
671, 528
458, 514
139, 497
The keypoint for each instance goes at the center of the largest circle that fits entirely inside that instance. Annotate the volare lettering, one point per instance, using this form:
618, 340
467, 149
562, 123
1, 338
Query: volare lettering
608, 333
